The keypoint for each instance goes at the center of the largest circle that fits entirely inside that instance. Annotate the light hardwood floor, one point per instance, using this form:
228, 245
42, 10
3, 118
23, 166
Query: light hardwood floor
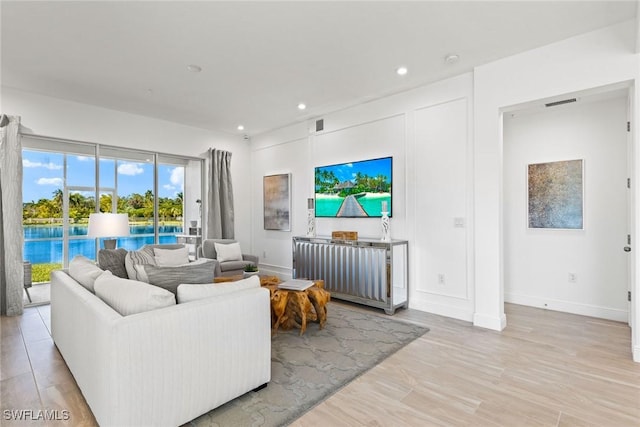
545, 369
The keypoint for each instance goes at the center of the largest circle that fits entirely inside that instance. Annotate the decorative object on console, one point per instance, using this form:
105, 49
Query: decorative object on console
384, 223
311, 218
344, 235
277, 202
108, 225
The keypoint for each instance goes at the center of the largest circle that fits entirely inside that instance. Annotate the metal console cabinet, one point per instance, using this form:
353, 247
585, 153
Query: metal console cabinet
366, 271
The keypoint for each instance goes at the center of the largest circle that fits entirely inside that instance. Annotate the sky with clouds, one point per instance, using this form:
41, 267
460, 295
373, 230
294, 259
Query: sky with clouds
43, 174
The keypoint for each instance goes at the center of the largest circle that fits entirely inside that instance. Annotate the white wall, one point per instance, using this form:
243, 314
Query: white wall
537, 262
46, 116
427, 131
587, 61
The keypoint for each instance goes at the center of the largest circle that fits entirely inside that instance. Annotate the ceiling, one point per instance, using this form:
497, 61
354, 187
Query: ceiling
261, 59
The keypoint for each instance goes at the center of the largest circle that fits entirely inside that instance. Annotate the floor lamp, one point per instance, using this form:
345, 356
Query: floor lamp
108, 225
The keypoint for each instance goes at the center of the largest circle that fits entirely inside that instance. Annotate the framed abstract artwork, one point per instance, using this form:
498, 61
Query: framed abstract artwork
277, 202
556, 195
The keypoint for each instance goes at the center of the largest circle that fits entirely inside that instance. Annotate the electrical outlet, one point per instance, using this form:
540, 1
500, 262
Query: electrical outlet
572, 278
440, 279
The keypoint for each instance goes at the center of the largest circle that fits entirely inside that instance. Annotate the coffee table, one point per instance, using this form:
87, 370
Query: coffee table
289, 308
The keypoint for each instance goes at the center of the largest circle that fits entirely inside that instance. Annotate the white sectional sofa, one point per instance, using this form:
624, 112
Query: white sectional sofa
166, 366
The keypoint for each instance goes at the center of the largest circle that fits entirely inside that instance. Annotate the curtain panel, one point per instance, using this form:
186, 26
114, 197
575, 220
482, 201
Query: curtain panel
11, 236
220, 217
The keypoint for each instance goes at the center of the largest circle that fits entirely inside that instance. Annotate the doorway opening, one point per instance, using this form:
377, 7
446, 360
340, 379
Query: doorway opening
582, 270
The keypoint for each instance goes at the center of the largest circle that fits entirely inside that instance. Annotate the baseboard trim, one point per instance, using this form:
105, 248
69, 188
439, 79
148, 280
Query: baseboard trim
441, 310
283, 273
636, 354
569, 307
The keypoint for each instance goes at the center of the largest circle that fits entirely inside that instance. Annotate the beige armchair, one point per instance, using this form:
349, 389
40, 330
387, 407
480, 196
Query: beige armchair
225, 268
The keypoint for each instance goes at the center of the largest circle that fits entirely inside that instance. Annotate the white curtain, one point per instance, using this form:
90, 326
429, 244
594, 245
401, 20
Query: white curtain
11, 237
220, 222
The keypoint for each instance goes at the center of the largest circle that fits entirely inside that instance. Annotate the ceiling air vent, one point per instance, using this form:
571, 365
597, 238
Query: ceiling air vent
319, 125
564, 101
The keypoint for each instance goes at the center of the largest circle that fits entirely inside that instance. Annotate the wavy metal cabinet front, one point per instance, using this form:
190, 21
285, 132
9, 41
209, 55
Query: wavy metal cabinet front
367, 272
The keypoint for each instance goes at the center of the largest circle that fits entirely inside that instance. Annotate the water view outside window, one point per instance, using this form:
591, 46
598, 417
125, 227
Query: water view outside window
126, 186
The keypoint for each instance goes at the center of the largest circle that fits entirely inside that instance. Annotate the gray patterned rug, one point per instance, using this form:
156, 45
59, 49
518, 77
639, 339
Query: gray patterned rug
307, 369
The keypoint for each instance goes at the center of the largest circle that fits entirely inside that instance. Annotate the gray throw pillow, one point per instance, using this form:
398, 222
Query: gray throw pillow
137, 258
113, 260
169, 278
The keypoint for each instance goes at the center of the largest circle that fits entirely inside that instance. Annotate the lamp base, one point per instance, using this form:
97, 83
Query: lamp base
109, 243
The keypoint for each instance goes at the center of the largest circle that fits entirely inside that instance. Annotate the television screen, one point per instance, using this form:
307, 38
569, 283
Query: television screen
354, 190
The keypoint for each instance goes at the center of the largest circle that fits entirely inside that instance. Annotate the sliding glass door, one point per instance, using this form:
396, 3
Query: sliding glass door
59, 192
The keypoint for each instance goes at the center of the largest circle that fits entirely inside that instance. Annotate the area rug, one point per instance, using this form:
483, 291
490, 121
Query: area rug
307, 369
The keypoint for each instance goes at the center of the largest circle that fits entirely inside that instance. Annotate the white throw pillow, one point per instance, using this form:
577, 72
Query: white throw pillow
171, 257
84, 271
128, 296
228, 252
187, 293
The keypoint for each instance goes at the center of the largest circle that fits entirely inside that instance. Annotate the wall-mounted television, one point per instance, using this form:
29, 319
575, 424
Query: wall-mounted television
354, 190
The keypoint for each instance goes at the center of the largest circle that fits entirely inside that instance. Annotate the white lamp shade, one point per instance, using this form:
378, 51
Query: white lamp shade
108, 225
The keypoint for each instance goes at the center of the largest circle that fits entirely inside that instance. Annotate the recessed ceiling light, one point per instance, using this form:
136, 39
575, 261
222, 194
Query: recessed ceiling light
450, 59
401, 71
301, 106
240, 127
194, 68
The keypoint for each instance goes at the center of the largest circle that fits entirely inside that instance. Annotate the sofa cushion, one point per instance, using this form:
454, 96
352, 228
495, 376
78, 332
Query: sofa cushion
135, 258
171, 257
131, 296
114, 261
200, 271
189, 292
228, 252
234, 265
84, 271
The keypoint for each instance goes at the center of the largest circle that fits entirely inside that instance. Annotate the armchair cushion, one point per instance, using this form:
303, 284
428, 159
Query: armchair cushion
228, 252
225, 268
233, 265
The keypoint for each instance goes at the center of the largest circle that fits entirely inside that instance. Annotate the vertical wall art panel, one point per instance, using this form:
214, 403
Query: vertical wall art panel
277, 202
556, 195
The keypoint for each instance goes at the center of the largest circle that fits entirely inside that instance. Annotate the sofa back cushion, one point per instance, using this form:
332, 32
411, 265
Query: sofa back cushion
130, 296
84, 271
171, 257
188, 292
